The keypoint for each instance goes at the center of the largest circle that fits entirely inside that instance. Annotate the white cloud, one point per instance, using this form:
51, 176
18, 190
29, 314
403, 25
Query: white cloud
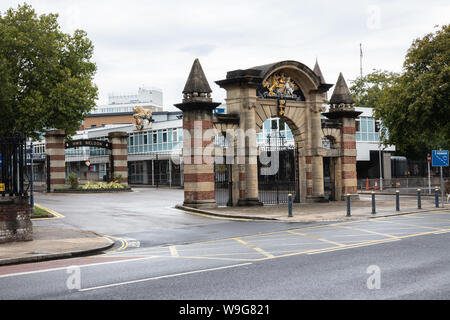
154, 43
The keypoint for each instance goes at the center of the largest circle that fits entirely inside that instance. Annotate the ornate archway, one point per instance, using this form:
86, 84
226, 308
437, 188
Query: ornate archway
289, 90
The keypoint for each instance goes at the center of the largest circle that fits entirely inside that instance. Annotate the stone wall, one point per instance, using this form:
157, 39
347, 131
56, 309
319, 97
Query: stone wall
15, 223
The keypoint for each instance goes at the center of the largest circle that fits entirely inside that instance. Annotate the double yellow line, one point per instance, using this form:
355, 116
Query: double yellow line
124, 243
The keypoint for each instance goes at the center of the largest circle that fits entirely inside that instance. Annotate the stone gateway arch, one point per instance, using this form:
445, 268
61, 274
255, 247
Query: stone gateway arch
288, 90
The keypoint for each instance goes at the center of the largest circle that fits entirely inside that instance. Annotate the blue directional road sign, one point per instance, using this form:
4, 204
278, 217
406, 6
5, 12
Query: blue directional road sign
439, 158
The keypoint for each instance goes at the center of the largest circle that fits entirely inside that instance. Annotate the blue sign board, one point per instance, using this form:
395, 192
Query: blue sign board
439, 158
1, 161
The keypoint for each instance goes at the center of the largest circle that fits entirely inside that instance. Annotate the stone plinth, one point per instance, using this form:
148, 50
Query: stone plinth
15, 223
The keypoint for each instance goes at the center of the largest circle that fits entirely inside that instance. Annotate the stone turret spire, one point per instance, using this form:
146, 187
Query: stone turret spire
197, 87
341, 99
318, 72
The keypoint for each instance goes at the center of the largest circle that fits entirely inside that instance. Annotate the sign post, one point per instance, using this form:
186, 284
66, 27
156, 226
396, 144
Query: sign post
440, 159
429, 174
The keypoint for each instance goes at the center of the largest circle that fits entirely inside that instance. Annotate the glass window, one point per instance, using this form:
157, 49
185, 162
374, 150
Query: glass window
155, 139
370, 125
174, 135
164, 137
282, 125
274, 124
145, 139
377, 126
358, 125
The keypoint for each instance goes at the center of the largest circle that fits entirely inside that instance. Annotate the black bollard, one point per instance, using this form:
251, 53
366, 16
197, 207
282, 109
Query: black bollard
419, 200
397, 200
290, 205
373, 203
436, 196
348, 205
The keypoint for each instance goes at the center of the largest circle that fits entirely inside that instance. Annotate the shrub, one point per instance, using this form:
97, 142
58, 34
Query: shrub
103, 185
117, 178
73, 181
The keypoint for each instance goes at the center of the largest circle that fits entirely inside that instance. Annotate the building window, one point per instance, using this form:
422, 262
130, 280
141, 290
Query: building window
174, 135
274, 124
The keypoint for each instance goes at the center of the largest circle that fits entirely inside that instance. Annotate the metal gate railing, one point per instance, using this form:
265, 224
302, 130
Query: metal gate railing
12, 166
275, 188
222, 184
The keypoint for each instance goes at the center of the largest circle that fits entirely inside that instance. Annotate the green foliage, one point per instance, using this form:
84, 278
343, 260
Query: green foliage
414, 106
73, 181
117, 178
102, 185
45, 75
367, 90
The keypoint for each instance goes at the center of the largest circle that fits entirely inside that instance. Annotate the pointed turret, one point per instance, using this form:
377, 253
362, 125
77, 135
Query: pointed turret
318, 72
197, 92
197, 87
341, 94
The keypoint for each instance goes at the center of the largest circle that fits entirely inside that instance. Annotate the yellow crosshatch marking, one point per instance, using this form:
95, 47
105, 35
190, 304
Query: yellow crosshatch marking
286, 243
317, 238
268, 255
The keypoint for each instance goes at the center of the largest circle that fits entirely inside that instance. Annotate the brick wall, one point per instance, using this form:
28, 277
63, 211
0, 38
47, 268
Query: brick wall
15, 223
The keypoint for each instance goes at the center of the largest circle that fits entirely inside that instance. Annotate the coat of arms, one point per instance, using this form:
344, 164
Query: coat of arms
280, 86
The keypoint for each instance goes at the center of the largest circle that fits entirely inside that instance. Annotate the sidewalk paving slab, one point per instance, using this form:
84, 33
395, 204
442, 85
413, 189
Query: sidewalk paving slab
53, 243
333, 211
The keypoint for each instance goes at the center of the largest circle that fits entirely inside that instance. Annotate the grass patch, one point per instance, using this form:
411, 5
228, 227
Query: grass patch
40, 213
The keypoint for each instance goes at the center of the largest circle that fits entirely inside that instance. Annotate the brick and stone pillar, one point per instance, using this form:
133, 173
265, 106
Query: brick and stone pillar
119, 154
15, 223
343, 110
198, 138
55, 151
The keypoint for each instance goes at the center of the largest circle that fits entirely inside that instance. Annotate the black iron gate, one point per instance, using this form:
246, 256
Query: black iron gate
222, 184
279, 177
12, 166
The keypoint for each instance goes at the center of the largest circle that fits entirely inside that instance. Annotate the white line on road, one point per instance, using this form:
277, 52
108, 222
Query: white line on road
163, 277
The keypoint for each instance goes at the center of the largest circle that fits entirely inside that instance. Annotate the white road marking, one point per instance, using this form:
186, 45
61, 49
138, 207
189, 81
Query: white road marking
163, 277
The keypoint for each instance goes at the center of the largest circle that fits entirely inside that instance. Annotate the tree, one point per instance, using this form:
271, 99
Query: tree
46, 75
414, 107
367, 90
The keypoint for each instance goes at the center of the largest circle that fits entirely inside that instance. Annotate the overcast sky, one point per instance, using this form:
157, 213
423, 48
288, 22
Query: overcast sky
154, 43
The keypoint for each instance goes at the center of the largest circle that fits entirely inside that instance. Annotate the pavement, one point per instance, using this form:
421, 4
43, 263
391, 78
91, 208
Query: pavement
53, 242
334, 211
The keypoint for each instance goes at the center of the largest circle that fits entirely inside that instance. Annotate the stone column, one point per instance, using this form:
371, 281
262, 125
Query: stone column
348, 156
248, 123
198, 167
55, 151
343, 111
316, 148
198, 137
119, 154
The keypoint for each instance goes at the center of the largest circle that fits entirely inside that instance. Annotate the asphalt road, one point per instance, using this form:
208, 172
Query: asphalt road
190, 257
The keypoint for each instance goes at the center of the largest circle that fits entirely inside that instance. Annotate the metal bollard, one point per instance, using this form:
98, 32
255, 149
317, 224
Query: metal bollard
436, 196
290, 205
373, 203
419, 200
348, 205
397, 200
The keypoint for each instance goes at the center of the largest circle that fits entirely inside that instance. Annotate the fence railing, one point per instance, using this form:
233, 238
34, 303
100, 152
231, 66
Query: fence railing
12, 166
405, 185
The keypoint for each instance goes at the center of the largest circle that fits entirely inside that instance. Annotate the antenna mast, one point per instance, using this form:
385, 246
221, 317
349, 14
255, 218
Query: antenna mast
360, 59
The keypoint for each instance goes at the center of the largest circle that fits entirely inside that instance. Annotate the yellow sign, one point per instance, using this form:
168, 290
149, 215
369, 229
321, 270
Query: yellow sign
2, 187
